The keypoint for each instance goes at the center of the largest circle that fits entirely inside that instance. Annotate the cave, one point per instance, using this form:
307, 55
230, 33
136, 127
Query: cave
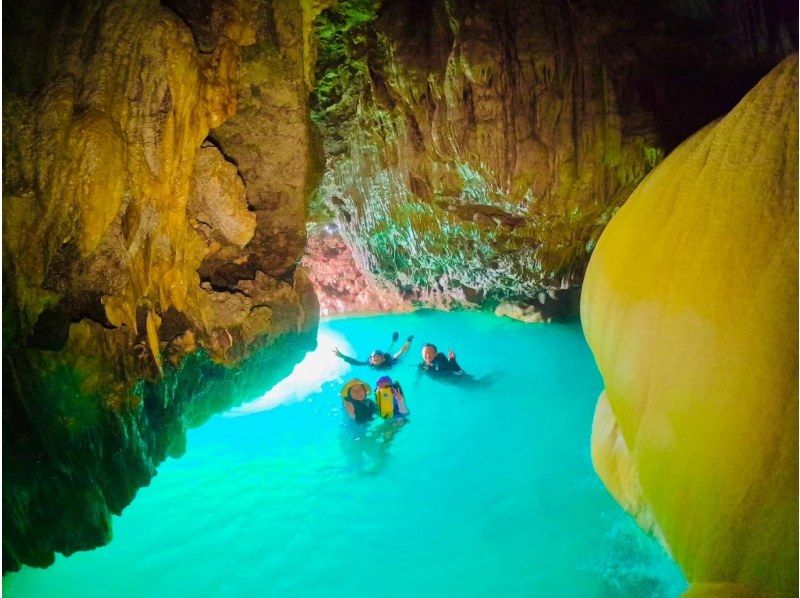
565, 231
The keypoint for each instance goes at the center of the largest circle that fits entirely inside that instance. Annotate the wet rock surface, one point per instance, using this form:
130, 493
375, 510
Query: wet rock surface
696, 431
341, 287
158, 164
476, 150
130, 282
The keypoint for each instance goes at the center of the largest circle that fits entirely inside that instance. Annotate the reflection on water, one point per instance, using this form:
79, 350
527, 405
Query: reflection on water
488, 490
366, 446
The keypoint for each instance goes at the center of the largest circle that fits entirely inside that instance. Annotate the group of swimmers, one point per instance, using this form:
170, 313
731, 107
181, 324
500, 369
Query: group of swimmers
390, 402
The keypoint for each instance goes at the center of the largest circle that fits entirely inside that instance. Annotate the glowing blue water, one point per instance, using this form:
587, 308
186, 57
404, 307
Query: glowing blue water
489, 490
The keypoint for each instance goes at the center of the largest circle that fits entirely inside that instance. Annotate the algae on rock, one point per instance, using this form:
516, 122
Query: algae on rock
130, 242
476, 151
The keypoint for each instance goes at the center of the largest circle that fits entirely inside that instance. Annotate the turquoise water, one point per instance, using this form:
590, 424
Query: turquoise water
488, 490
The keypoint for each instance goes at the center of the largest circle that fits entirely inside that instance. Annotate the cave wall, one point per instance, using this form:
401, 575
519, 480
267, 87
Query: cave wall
690, 306
476, 150
339, 283
145, 246
158, 161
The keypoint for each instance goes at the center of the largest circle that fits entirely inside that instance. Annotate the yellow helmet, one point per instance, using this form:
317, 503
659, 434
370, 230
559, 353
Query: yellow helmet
345, 392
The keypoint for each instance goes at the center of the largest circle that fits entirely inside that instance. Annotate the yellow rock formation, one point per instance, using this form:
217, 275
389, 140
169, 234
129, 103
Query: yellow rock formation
132, 236
690, 308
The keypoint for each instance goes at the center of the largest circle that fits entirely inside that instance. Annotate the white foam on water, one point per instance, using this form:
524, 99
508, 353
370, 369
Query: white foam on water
317, 367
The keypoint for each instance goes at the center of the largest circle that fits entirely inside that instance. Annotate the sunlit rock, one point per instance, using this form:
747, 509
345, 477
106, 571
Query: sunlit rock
339, 283
476, 151
690, 307
138, 262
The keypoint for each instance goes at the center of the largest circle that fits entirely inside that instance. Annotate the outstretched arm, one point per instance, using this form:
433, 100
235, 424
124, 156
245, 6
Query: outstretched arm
349, 360
404, 348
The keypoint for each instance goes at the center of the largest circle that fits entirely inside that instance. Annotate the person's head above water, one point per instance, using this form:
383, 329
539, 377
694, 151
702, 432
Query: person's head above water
377, 357
383, 382
429, 353
355, 389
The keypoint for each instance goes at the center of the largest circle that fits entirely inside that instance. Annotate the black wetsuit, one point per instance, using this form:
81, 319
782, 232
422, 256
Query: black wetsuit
442, 365
388, 362
365, 410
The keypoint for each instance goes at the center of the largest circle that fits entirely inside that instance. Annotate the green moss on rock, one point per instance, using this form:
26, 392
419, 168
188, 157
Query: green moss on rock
475, 153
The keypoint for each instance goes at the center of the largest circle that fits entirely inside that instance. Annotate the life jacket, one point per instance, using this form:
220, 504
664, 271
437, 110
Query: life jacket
384, 398
364, 410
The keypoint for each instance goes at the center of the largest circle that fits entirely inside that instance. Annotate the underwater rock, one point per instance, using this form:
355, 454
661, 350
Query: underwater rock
690, 308
341, 287
135, 253
477, 150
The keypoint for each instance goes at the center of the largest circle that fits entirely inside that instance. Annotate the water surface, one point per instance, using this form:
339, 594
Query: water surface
488, 490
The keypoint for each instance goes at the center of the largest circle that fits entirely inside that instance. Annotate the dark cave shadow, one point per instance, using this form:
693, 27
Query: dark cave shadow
466, 381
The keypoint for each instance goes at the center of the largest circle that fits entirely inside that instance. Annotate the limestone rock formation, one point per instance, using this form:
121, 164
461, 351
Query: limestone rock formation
549, 306
340, 285
690, 308
476, 150
158, 163
130, 241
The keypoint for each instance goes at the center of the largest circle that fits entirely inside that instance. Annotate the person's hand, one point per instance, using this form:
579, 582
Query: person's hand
337, 352
410, 338
395, 336
451, 354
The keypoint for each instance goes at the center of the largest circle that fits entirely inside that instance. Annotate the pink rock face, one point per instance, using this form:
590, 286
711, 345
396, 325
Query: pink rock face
340, 285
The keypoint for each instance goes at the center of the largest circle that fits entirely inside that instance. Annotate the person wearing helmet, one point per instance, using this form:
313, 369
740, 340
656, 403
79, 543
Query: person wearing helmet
400, 410
355, 402
379, 360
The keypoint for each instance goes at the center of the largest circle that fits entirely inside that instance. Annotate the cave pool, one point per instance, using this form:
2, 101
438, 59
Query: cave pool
487, 491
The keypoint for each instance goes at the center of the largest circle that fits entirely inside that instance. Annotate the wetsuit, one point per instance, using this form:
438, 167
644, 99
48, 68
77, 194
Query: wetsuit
388, 361
365, 410
442, 365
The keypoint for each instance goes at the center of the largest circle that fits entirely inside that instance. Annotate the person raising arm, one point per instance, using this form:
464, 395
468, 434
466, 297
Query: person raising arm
358, 407
433, 361
379, 360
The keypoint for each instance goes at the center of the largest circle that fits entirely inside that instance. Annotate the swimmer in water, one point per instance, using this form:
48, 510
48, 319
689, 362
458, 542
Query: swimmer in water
400, 410
358, 407
379, 360
446, 369
435, 362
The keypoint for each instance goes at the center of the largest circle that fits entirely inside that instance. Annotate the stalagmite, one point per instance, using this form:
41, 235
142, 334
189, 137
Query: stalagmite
690, 308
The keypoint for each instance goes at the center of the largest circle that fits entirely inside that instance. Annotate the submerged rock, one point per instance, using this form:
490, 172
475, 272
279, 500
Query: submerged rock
477, 150
690, 308
132, 244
